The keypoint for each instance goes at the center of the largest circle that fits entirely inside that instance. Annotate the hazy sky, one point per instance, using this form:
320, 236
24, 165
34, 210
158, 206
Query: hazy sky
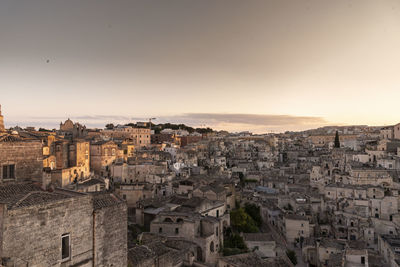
257, 65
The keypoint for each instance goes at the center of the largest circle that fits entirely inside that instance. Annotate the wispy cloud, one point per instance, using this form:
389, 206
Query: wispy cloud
252, 119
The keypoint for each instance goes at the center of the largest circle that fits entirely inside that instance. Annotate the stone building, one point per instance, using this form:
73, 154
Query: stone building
205, 231
139, 136
103, 154
296, 226
61, 227
72, 161
110, 225
2, 128
396, 131
73, 130
389, 247
20, 159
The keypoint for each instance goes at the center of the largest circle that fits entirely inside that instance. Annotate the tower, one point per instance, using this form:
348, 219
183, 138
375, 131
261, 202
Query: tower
2, 129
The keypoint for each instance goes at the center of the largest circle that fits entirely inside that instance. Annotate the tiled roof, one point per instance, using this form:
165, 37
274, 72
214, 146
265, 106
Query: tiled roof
103, 200
257, 237
38, 197
10, 138
249, 259
17, 195
90, 182
140, 253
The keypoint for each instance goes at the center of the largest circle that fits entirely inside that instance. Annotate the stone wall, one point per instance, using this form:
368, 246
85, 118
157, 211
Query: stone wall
33, 234
27, 157
110, 233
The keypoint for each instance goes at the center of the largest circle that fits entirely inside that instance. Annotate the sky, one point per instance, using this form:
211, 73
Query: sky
237, 65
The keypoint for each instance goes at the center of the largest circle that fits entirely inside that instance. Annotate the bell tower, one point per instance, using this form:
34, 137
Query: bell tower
2, 129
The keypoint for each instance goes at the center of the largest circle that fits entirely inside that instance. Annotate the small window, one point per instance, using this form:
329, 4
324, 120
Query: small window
9, 171
160, 230
66, 247
176, 230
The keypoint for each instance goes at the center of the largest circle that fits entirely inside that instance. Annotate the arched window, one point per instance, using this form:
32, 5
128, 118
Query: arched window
168, 220
179, 220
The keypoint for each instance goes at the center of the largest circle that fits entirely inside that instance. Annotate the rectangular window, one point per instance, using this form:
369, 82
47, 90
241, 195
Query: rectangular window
9, 171
176, 230
160, 230
5, 171
66, 247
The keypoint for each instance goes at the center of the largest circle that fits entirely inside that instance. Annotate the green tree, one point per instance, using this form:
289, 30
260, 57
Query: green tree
337, 140
235, 241
291, 254
243, 222
110, 126
234, 244
254, 211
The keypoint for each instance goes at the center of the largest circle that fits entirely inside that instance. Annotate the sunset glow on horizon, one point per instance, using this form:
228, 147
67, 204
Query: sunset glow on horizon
260, 66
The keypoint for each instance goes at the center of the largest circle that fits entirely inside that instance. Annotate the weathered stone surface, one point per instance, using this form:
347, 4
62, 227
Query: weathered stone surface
27, 157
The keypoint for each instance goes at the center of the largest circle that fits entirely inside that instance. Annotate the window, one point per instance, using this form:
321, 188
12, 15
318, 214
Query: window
362, 260
124, 196
160, 230
66, 247
9, 171
216, 230
212, 246
176, 230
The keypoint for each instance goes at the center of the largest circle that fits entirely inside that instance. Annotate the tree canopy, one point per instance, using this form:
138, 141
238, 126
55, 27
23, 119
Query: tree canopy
254, 211
243, 222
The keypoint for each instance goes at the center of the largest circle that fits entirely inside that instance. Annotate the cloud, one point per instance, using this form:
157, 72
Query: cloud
227, 121
258, 123
254, 119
